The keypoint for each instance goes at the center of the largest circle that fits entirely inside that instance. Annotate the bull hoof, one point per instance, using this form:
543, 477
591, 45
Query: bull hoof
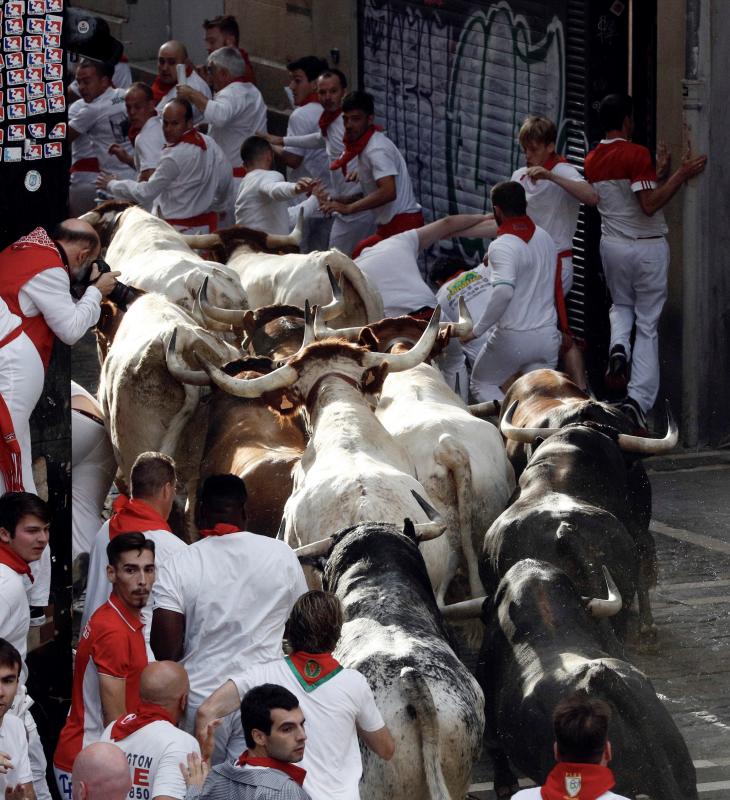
649, 638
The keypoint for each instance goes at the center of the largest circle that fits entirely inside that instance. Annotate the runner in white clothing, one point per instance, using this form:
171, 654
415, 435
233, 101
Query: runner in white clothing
263, 197
84, 166
154, 745
337, 703
145, 132
191, 182
221, 604
164, 86
15, 773
522, 303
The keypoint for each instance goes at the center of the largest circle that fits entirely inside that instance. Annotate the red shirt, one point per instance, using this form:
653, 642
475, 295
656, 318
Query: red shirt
112, 643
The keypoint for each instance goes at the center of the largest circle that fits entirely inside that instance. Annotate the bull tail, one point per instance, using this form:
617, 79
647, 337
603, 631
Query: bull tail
370, 298
169, 443
452, 457
419, 697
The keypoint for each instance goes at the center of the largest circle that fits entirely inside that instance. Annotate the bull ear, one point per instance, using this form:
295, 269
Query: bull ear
409, 530
372, 379
282, 401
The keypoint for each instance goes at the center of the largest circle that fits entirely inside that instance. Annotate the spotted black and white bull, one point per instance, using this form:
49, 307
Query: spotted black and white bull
394, 635
540, 644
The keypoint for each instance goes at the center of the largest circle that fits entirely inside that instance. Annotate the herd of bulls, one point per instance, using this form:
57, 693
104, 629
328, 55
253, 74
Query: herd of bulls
357, 453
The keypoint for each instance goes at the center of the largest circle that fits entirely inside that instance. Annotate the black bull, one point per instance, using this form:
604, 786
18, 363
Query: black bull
539, 646
577, 506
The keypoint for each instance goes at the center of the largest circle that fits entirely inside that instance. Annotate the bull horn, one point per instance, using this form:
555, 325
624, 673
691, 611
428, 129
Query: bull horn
225, 316
524, 435
609, 607
413, 357
464, 325
490, 409
337, 306
282, 528
648, 446
425, 531
179, 369
320, 548
321, 331
276, 241
466, 609
309, 318
202, 241
280, 378
92, 217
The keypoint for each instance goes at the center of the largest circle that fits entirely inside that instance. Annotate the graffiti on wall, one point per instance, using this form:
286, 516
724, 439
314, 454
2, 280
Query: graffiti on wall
452, 91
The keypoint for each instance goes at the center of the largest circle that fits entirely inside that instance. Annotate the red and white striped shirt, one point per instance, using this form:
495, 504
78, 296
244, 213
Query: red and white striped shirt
111, 644
618, 170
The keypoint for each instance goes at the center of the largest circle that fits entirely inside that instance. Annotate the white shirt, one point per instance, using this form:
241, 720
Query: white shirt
14, 612
82, 146
392, 267
236, 592
48, 293
331, 711
473, 285
14, 742
149, 144
155, 753
379, 159
530, 269
262, 202
236, 112
105, 120
533, 793
195, 82
550, 206
303, 120
167, 545
188, 181
8, 321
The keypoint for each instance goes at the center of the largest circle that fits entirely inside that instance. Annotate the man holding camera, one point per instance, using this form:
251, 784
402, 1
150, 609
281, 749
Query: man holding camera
36, 274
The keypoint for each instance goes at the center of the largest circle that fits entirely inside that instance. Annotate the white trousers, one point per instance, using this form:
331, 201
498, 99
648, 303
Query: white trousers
81, 193
507, 352
63, 782
636, 275
36, 756
349, 230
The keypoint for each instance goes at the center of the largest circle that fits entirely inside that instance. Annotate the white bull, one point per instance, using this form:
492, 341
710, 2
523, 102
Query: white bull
352, 469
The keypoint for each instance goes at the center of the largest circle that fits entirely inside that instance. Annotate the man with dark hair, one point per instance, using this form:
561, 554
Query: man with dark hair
111, 653
164, 86
521, 307
223, 32
582, 751
634, 250
262, 202
338, 703
273, 725
348, 230
145, 133
381, 170
192, 181
221, 604
153, 481
15, 774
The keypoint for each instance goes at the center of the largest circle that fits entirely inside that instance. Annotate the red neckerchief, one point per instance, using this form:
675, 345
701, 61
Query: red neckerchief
134, 516
159, 89
241, 79
295, 773
326, 119
10, 454
134, 130
522, 227
191, 137
11, 559
39, 237
553, 160
219, 529
310, 98
353, 149
145, 713
313, 669
568, 781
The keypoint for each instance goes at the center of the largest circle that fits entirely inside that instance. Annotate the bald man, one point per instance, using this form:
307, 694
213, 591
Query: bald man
100, 773
154, 745
164, 87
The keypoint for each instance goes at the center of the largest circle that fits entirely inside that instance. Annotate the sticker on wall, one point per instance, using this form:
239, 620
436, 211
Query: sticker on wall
12, 44
33, 43
54, 89
53, 72
54, 6
2, 135
14, 60
58, 131
34, 75
13, 26
12, 154
16, 133
16, 77
52, 39
56, 104
53, 24
36, 89
32, 151
35, 25
36, 107
36, 59
17, 111
54, 55
14, 9
16, 94
52, 149
37, 130
32, 180
36, 6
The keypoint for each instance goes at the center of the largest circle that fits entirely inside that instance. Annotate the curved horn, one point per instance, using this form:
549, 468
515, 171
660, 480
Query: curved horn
92, 217
413, 357
201, 241
282, 528
464, 325
466, 609
280, 378
649, 446
309, 318
321, 331
425, 531
320, 548
226, 316
337, 306
524, 435
179, 369
199, 312
490, 409
275, 241
609, 607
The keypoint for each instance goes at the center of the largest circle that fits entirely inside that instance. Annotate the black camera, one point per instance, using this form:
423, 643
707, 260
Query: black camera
121, 295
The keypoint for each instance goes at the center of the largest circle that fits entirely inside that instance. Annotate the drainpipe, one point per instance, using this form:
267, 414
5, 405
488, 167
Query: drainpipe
695, 217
